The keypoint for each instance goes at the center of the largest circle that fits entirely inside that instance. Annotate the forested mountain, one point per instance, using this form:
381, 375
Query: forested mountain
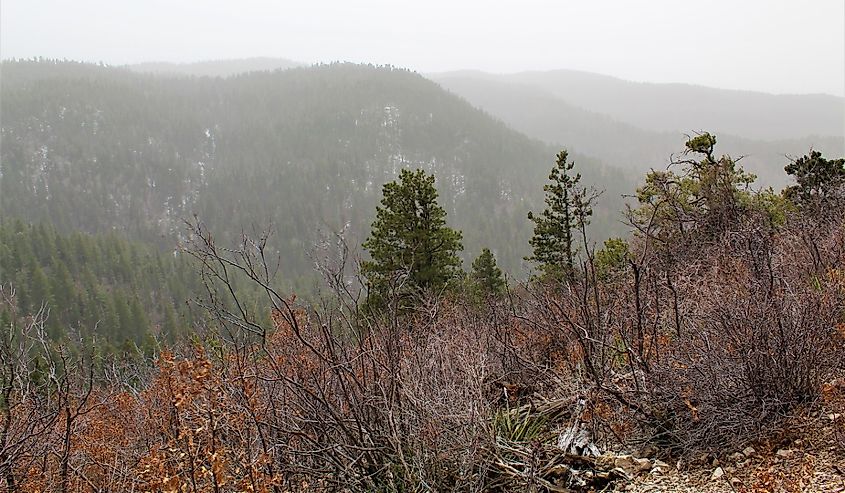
98, 149
215, 68
548, 116
101, 285
682, 107
714, 320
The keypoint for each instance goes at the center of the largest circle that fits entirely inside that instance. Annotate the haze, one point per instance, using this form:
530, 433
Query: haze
770, 46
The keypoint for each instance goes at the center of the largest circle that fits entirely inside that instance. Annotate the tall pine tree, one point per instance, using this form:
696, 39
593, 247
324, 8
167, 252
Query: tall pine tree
568, 208
412, 249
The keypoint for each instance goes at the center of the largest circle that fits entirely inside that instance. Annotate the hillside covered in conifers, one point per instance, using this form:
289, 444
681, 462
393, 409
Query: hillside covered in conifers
96, 149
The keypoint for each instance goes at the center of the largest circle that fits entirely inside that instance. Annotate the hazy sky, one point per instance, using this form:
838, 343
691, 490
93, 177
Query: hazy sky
768, 45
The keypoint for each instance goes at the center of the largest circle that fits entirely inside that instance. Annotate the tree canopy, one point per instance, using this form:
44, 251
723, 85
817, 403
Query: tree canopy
411, 247
486, 275
568, 208
816, 176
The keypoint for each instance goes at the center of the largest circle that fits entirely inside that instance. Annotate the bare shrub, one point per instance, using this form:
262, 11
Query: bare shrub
707, 352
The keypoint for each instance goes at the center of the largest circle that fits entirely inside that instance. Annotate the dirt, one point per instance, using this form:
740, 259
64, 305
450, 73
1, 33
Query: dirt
805, 454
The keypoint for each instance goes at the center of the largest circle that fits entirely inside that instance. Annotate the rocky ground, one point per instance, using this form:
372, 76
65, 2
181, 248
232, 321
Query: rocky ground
805, 454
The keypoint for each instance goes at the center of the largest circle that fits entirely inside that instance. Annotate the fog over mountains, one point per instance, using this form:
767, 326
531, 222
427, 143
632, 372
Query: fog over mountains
99, 149
669, 107
631, 125
644, 125
96, 148
256, 141
383, 246
215, 68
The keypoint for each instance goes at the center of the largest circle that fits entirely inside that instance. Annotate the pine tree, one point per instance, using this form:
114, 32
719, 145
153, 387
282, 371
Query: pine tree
39, 290
410, 244
703, 199
613, 257
816, 177
486, 274
568, 208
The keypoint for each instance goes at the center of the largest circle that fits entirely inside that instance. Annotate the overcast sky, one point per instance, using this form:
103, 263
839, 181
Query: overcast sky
768, 45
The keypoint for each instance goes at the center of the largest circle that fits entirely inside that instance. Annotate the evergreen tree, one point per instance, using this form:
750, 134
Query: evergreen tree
707, 196
62, 289
612, 257
486, 274
39, 290
816, 177
568, 208
410, 244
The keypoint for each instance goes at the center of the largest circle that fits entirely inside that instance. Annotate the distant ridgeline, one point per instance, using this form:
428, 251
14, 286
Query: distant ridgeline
636, 126
97, 149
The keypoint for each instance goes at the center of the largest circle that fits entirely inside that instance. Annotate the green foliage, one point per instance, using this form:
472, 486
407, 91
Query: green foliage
816, 177
102, 149
613, 257
775, 206
486, 275
706, 196
98, 284
702, 144
518, 425
411, 247
568, 209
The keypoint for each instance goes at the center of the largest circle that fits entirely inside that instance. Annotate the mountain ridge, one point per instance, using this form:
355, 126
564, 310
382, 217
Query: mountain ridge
215, 68
542, 115
306, 148
679, 107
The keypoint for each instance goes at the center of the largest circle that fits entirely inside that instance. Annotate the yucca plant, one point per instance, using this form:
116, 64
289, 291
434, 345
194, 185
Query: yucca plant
518, 425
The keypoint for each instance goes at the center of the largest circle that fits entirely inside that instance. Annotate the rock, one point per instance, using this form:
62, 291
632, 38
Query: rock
643, 464
700, 459
648, 450
660, 467
625, 462
737, 456
834, 417
735, 480
784, 453
749, 452
717, 474
628, 463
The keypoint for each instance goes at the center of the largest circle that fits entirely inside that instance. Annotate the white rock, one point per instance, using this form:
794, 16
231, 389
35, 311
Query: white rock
749, 452
660, 467
717, 473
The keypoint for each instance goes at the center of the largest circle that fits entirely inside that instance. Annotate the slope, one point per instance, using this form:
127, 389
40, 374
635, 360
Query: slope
682, 107
99, 149
96, 285
542, 115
